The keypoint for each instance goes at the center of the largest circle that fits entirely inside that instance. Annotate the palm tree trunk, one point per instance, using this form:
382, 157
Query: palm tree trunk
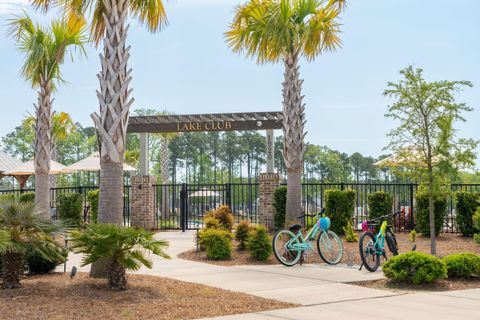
117, 276
43, 147
111, 123
12, 267
293, 135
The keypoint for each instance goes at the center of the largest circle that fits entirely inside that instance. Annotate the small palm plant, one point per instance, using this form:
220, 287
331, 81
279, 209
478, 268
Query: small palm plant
124, 248
21, 226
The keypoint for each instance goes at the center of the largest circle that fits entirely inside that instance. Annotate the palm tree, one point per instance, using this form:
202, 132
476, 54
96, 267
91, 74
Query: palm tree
44, 51
286, 30
108, 24
124, 248
21, 227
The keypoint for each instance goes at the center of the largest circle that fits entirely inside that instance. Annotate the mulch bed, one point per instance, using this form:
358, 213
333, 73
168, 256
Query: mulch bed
440, 285
446, 244
57, 296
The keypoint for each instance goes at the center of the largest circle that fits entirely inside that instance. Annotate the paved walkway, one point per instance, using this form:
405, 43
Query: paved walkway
321, 289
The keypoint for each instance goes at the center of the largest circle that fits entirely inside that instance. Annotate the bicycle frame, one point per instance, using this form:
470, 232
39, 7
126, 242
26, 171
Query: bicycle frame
305, 243
380, 239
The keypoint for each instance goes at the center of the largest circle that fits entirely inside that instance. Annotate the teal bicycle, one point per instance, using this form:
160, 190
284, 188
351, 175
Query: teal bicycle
290, 246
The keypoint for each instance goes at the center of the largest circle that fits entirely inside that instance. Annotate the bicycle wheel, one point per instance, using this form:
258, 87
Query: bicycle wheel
392, 243
330, 247
368, 254
282, 244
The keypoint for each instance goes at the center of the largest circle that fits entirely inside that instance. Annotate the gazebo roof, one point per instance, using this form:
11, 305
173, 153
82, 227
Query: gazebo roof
8, 163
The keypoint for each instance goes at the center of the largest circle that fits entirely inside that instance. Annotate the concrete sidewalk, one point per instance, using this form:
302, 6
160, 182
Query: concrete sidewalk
322, 289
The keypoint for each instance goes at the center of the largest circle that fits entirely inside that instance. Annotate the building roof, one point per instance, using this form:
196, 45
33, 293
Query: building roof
8, 163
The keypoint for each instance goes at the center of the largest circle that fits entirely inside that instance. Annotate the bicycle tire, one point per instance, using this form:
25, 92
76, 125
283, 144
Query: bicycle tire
368, 239
296, 255
392, 243
338, 251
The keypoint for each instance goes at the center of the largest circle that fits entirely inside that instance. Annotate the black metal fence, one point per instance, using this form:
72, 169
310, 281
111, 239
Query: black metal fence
83, 190
183, 206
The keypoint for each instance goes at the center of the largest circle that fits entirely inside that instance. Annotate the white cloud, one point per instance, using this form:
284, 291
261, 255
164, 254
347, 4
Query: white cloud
12, 6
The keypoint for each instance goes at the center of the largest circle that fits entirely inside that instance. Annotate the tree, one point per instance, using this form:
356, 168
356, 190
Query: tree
425, 138
44, 51
108, 24
286, 30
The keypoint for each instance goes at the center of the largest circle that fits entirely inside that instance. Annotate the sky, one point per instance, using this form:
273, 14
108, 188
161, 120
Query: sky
187, 68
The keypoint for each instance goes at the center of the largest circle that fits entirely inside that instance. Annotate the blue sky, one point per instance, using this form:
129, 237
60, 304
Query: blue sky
187, 68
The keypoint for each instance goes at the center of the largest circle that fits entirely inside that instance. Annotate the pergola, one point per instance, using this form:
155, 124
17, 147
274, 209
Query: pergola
8, 163
144, 125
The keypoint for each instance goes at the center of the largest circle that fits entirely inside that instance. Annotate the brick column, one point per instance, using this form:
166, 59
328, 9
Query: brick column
268, 183
142, 201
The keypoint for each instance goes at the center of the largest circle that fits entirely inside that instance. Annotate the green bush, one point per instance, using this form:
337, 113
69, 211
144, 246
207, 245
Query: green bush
466, 203
36, 263
415, 267
379, 203
440, 203
92, 198
476, 220
350, 234
462, 265
413, 235
7, 197
259, 243
279, 204
476, 238
217, 243
69, 208
224, 215
241, 233
211, 223
27, 197
339, 206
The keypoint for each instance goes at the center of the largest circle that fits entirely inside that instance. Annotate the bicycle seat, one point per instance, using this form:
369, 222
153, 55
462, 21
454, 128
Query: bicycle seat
295, 227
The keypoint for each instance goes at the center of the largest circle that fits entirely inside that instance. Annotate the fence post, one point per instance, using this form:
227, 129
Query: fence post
228, 195
411, 207
183, 207
342, 186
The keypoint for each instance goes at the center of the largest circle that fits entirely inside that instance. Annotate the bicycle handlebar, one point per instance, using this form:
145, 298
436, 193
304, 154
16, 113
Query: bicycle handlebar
322, 211
386, 216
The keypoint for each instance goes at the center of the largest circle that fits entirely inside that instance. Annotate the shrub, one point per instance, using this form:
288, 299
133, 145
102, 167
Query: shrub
350, 234
92, 198
279, 204
379, 203
36, 263
259, 243
69, 208
462, 265
476, 238
413, 235
466, 203
440, 203
224, 215
217, 243
476, 220
211, 223
7, 197
339, 206
415, 267
27, 197
241, 233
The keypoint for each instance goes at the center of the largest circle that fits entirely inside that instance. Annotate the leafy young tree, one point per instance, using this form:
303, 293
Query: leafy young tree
425, 139
44, 50
108, 24
286, 30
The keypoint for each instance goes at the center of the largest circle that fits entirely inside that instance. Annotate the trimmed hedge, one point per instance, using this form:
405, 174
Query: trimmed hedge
69, 208
466, 205
440, 203
279, 204
379, 203
217, 243
462, 265
242, 230
224, 215
415, 267
339, 206
27, 197
92, 198
259, 243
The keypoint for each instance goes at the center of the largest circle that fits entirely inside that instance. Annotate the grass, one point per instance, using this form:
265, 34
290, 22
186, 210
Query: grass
440, 285
57, 296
